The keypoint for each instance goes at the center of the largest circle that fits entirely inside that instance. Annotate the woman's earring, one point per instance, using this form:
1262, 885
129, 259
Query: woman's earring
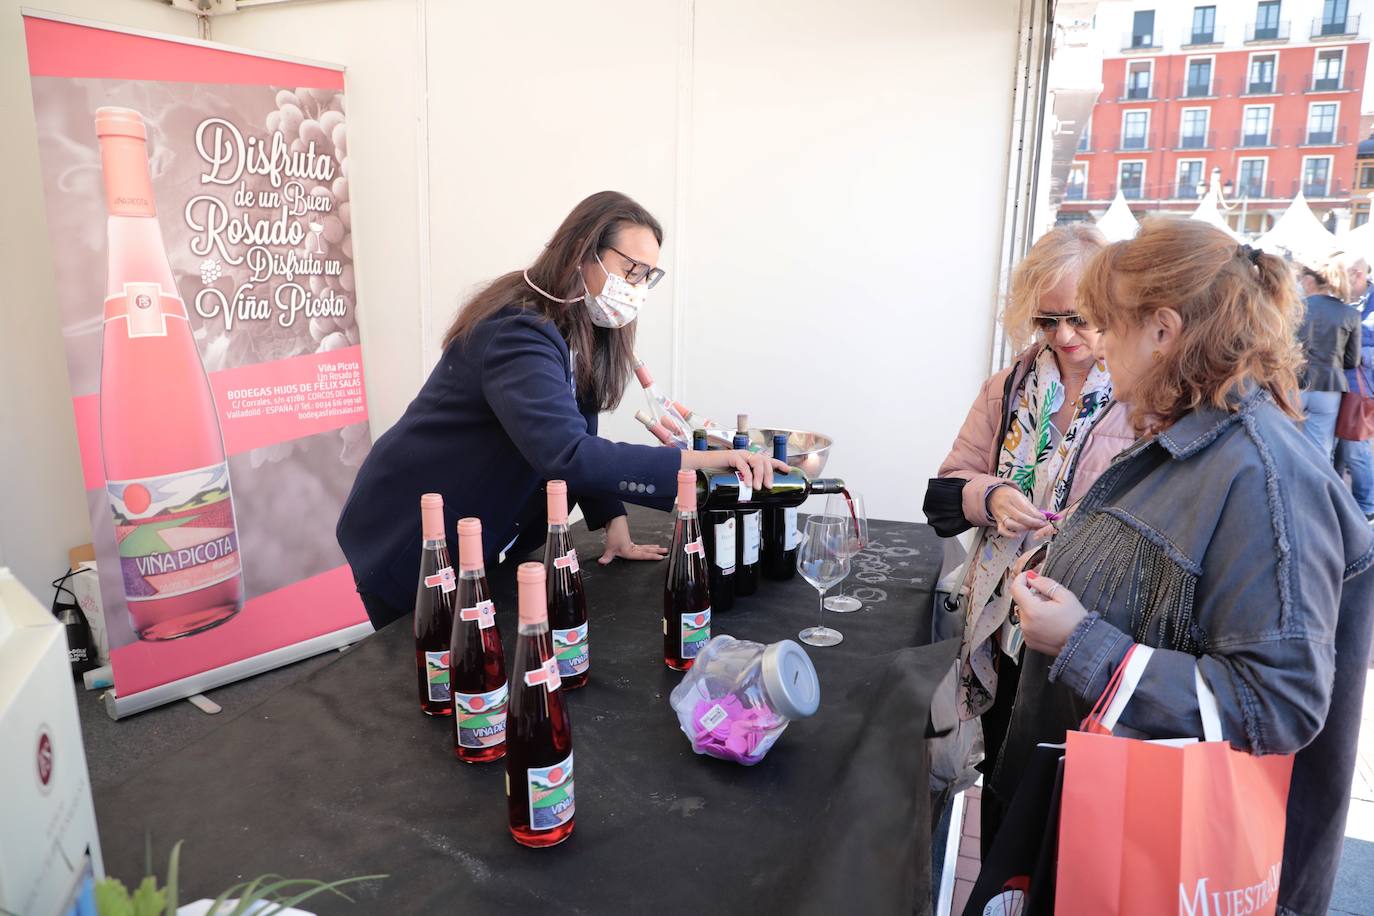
1156, 357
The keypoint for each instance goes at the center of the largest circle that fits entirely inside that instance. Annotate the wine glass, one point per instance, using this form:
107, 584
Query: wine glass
849, 509
821, 562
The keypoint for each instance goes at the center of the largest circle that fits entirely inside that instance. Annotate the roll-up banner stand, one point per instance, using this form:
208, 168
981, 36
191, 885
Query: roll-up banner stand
198, 211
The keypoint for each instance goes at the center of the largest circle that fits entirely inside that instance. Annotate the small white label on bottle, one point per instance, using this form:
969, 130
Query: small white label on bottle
714, 716
789, 524
546, 674
725, 544
694, 547
484, 613
751, 538
746, 490
443, 579
567, 561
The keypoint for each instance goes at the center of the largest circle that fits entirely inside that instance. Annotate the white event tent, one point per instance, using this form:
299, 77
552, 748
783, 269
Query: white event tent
1118, 223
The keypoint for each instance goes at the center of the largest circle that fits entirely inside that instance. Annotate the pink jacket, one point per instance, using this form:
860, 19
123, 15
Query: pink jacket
974, 455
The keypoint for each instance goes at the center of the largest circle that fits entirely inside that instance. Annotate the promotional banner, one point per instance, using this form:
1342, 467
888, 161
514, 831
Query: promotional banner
198, 208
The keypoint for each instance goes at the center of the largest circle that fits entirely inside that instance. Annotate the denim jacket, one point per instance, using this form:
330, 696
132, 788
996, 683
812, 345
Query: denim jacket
1223, 544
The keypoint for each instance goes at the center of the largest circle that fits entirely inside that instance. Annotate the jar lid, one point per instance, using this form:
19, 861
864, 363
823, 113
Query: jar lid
790, 680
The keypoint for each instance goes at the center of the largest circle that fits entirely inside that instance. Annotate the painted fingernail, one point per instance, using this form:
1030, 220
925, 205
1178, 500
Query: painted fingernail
1030, 574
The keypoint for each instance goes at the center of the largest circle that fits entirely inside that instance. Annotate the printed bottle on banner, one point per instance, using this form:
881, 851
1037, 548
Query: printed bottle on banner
539, 759
747, 530
477, 662
434, 610
567, 602
686, 594
780, 536
165, 469
718, 534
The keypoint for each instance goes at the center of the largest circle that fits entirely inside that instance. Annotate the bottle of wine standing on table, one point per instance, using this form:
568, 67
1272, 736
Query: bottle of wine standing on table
686, 592
747, 522
718, 534
478, 662
567, 603
780, 535
539, 749
166, 475
434, 611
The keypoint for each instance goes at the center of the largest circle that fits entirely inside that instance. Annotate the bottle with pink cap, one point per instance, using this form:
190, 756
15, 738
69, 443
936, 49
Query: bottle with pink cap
478, 665
686, 593
539, 755
434, 610
566, 600
661, 409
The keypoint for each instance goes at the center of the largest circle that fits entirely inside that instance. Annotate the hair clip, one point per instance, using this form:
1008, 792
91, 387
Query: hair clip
1253, 254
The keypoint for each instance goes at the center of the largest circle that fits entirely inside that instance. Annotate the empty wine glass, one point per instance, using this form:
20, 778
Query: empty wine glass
821, 562
849, 509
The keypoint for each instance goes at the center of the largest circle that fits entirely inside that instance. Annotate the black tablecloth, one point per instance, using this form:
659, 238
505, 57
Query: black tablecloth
342, 775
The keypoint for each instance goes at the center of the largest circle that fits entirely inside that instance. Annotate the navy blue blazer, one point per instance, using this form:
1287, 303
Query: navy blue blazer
496, 418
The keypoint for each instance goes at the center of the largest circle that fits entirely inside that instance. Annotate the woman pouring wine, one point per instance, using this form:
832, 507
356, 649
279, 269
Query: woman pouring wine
528, 364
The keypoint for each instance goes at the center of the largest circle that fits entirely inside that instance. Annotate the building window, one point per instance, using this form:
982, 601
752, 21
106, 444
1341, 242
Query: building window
1085, 139
1361, 217
1194, 133
1316, 176
1366, 177
1134, 127
1256, 129
1252, 178
1189, 179
1143, 29
1321, 123
1131, 179
1326, 77
1076, 188
1138, 74
1333, 17
1267, 26
1199, 78
1261, 81
1204, 25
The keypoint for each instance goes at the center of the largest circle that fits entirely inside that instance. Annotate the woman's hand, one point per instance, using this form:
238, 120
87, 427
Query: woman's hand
1049, 612
619, 544
756, 467
1015, 515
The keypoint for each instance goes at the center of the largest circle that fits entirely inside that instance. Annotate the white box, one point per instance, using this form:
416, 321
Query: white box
47, 830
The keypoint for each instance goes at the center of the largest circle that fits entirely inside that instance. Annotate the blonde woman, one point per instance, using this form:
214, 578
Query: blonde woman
1217, 540
1330, 335
1039, 433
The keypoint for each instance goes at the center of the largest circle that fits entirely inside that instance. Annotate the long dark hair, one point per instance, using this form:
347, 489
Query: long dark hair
605, 356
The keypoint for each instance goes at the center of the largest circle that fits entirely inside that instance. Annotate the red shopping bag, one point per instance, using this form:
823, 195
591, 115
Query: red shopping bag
1150, 828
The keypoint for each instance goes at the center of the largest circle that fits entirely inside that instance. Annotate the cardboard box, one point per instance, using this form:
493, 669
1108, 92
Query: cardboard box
48, 835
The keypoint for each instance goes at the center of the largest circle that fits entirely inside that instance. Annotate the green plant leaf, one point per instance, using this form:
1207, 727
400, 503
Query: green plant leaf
219, 901
173, 867
112, 898
332, 887
147, 899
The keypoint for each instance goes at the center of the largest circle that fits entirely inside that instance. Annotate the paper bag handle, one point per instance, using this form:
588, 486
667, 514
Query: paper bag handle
1127, 678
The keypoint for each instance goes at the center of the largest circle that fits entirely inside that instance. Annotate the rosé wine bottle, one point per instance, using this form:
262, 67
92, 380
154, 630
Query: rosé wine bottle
165, 469
434, 601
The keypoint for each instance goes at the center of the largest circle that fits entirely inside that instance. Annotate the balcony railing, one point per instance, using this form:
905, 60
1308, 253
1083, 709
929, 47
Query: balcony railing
1339, 83
1244, 139
1125, 92
1277, 31
1275, 85
1334, 137
1337, 28
1133, 143
1190, 89
1075, 191
1132, 191
1329, 188
1186, 190
1130, 41
1254, 189
1193, 38
1204, 140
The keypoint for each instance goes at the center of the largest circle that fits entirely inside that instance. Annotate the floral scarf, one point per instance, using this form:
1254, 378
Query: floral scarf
1038, 467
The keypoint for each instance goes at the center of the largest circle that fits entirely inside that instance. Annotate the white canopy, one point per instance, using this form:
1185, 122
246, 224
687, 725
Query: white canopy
1118, 223
1300, 232
1359, 242
1208, 212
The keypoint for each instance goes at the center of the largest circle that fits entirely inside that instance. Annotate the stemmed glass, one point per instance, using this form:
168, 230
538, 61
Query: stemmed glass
855, 519
821, 562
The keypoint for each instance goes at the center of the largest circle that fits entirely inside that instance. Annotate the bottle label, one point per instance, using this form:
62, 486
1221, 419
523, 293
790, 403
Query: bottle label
145, 309
751, 538
694, 547
551, 794
546, 674
567, 561
746, 489
443, 579
695, 632
484, 613
175, 533
481, 717
572, 650
789, 525
437, 676
725, 544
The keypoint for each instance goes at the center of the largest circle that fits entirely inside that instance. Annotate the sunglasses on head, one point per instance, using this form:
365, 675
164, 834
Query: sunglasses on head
1050, 323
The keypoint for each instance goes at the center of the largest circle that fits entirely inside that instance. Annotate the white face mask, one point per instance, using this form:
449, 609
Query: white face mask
619, 302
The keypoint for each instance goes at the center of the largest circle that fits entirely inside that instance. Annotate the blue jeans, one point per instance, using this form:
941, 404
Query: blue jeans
1319, 409
1355, 457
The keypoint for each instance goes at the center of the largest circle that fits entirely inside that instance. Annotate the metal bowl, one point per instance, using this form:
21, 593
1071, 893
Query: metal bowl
806, 451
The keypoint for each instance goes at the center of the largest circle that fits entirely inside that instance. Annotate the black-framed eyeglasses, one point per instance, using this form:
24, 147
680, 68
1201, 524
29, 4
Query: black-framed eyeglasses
1050, 323
639, 272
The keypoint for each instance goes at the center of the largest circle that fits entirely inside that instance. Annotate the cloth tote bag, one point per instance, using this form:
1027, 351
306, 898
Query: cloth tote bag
1151, 827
